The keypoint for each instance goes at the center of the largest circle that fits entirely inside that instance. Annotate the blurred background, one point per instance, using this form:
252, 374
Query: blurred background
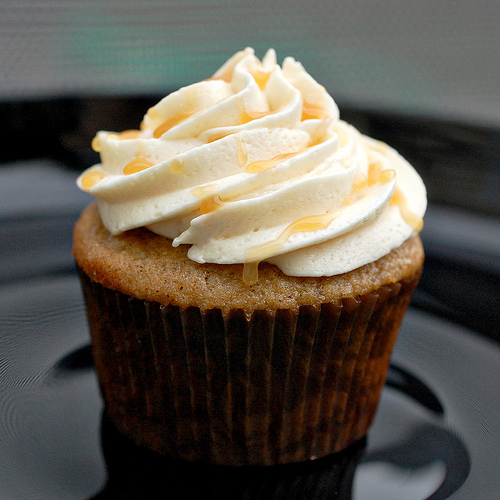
432, 56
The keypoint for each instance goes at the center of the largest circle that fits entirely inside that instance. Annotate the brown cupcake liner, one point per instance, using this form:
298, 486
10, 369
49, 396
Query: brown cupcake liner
265, 388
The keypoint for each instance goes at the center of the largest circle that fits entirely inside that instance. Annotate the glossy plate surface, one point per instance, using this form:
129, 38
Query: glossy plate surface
436, 432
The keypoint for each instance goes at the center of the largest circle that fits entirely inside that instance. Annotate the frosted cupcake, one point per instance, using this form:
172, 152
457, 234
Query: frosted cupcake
246, 268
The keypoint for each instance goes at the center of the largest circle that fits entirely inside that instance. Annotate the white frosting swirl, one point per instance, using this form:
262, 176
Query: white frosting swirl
255, 164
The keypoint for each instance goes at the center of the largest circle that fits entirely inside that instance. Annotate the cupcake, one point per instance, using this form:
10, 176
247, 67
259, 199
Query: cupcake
246, 268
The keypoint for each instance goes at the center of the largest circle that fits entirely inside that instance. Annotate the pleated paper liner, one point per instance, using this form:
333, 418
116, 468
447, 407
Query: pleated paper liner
241, 389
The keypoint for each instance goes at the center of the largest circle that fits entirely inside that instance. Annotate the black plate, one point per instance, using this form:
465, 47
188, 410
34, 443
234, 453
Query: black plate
436, 433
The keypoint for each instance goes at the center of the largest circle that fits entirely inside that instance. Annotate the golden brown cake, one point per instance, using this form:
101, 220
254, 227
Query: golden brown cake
146, 266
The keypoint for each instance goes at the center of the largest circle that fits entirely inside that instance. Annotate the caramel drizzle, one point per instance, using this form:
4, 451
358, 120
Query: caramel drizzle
129, 134
177, 166
376, 174
90, 179
138, 164
171, 123
210, 204
96, 144
307, 223
260, 252
250, 272
221, 135
248, 116
245, 117
261, 78
209, 201
242, 152
313, 112
411, 218
202, 191
316, 222
264, 165
121, 136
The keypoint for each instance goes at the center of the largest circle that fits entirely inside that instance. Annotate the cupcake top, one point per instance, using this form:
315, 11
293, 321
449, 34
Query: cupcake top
254, 164
146, 266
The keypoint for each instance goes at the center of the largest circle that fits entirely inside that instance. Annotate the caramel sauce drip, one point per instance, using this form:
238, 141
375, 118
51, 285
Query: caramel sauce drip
221, 135
209, 201
386, 176
312, 112
202, 191
210, 204
153, 113
96, 144
227, 77
375, 175
242, 152
245, 117
304, 224
311, 222
263, 165
129, 134
250, 272
414, 220
176, 166
137, 165
308, 223
248, 116
171, 122
90, 179
261, 78
360, 183
122, 136
374, 171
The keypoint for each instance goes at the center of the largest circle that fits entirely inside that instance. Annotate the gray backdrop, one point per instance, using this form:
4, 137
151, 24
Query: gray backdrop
435, 57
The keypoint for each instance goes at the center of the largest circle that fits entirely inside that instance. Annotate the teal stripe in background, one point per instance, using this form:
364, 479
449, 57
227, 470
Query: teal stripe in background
432, 56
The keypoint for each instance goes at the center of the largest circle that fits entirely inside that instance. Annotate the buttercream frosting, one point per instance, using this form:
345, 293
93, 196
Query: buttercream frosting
255, 164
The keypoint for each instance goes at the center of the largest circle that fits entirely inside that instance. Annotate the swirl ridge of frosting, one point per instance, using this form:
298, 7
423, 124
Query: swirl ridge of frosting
255, 164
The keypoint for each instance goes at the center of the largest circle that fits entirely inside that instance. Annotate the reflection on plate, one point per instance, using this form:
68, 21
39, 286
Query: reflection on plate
435, 434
